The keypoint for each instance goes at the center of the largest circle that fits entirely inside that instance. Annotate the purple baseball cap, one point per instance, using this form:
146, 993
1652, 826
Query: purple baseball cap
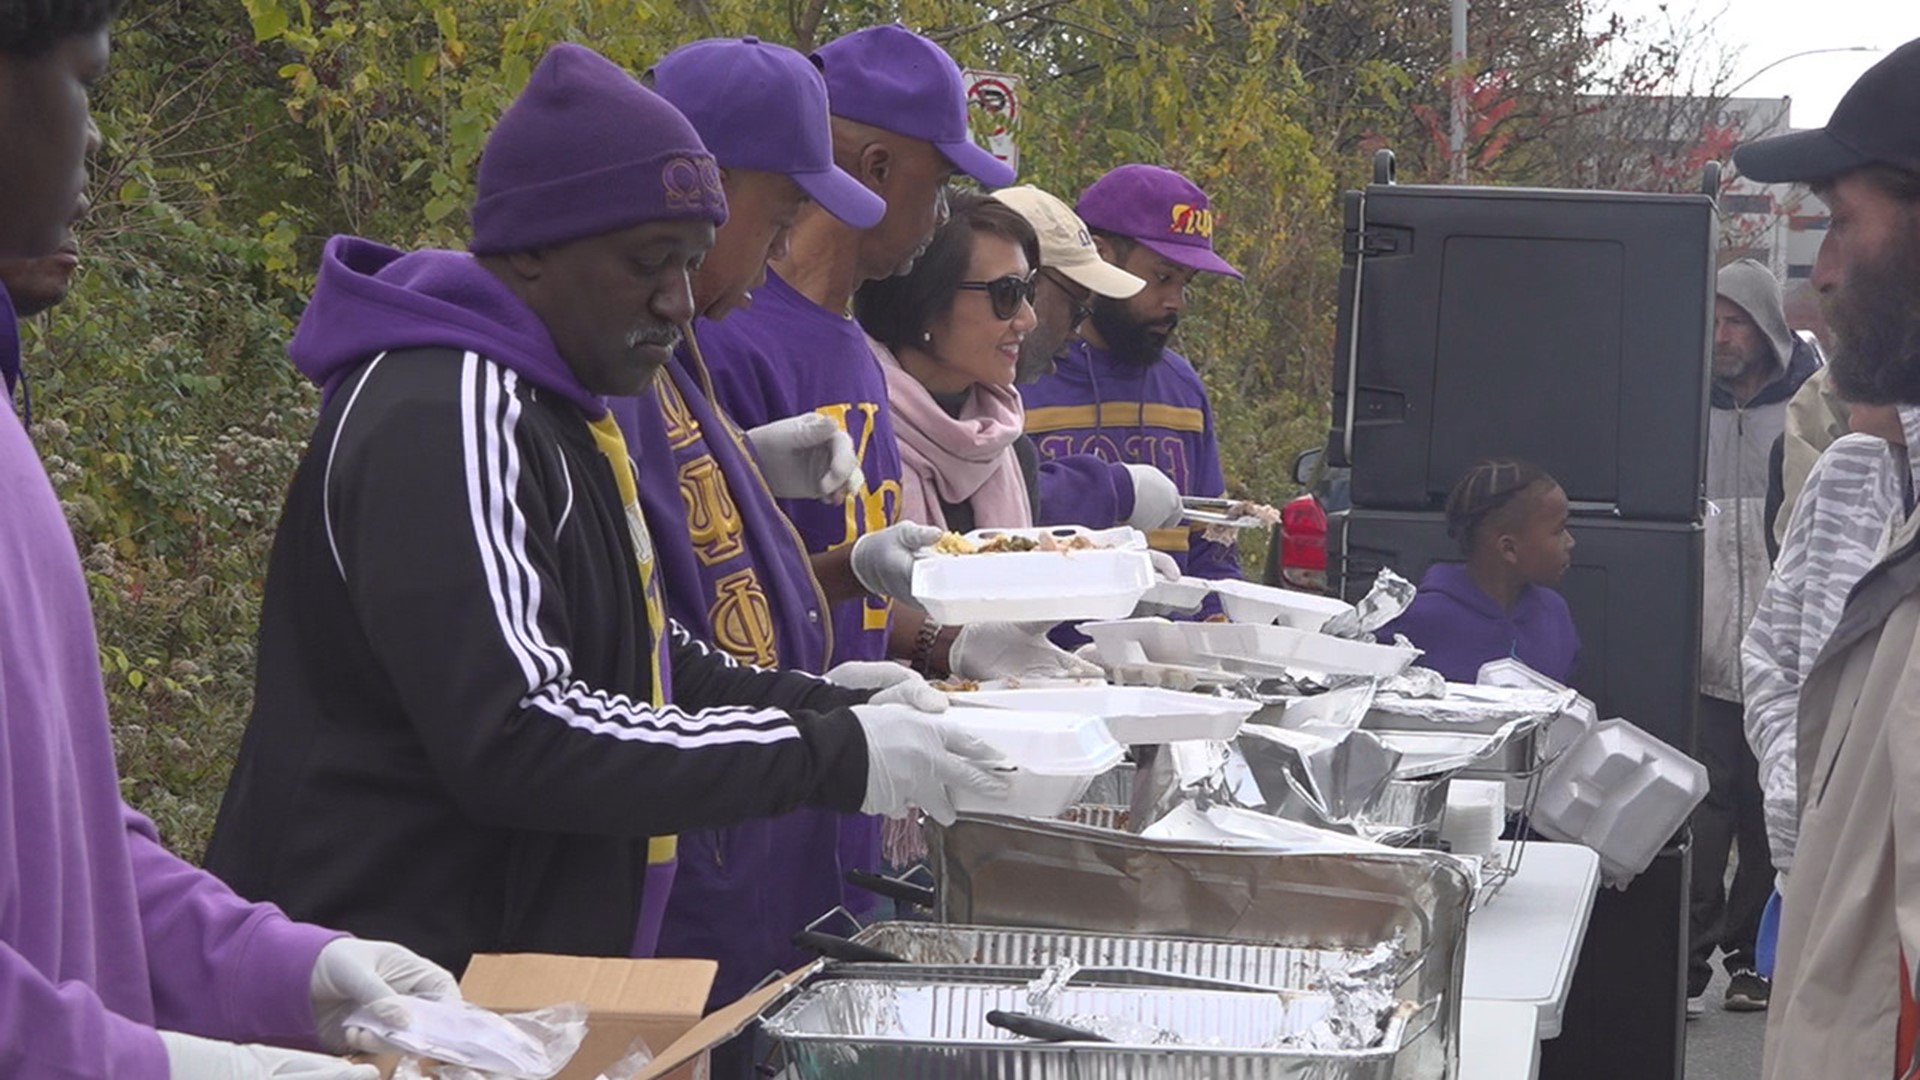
763, 106
1159, 208
896, 80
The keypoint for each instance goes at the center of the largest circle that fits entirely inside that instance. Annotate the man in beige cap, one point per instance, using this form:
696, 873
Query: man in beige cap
1079, 489
1073, 274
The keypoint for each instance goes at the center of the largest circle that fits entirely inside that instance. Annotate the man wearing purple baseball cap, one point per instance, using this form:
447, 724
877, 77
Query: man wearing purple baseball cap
900, 127
475, 726
1844, 991
1120, 392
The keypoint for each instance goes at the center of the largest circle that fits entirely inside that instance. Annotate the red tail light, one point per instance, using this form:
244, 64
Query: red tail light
1303, 544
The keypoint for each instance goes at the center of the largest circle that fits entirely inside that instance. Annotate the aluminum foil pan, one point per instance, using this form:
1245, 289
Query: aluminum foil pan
1055, 875
1014, 953
843, 1029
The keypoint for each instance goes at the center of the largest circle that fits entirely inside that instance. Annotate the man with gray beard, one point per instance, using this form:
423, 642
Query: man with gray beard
1850, 926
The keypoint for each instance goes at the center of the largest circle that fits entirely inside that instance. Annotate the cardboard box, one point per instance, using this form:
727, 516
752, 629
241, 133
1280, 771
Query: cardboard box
657, 1000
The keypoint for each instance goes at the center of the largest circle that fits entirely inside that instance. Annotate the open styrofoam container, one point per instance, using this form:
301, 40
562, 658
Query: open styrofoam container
1133, 714
1621, 792
1274, 650
1146, 640
1105, 582
1184, 595
1246, 602
1052, 756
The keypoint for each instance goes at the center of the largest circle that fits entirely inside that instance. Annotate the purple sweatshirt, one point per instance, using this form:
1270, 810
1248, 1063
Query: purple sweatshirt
104, 935
1461, 628
737, 575
785, 356
1154, 415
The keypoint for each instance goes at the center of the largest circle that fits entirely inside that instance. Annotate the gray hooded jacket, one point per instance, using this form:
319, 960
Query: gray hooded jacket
1739, 439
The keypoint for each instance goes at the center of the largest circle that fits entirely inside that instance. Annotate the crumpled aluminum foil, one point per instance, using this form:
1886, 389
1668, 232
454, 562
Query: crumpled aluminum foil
1336, 775
1364, 1002
1389, 597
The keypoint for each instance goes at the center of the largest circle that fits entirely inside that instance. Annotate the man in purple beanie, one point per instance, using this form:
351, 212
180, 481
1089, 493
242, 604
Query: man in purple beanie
472, 711
734, 570
900, 128
117, 959
1121, 393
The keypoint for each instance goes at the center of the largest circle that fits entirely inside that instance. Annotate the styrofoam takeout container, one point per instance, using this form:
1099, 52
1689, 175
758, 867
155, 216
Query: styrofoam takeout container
1621, 792
1246, 602
1105, 582
1133, 714
1053, 757
1275, 650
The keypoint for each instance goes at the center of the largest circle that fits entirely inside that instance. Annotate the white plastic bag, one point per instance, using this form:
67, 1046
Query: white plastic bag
475, 1043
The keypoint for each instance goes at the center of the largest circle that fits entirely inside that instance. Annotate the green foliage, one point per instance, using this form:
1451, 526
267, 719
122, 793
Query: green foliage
239, 136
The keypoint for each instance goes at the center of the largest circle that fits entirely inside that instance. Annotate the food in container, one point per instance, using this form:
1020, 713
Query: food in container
1033, 575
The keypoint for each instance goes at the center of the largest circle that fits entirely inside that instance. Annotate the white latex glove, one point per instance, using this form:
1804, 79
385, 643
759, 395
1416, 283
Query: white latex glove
883, 561
998, 650
350, 973
897, 684
190, 1057
807, 457
914, 759
1156, 501
1164, 566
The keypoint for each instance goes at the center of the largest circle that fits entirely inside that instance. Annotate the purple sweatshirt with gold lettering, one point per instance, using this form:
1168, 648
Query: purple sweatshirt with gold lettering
1157, 414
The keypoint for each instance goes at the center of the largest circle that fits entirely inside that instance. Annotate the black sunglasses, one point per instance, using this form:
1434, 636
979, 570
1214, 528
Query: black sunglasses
1082, 310
1006, 293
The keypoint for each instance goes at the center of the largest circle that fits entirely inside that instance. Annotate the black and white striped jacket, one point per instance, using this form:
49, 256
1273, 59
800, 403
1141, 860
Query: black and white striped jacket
451, 744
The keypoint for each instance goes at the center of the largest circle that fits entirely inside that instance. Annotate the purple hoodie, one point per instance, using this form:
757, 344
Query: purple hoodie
1155, 415
785, 356
737, 575
104, 935
1461, 628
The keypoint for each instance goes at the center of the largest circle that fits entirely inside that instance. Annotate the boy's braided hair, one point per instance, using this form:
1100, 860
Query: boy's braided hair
1489, 488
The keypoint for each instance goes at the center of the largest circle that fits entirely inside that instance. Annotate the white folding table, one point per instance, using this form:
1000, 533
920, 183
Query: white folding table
1522, 946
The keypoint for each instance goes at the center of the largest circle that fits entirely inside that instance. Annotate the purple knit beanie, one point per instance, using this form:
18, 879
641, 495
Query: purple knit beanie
585, 150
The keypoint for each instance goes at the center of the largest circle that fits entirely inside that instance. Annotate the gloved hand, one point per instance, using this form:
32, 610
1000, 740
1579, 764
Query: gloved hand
914, 759
997, 650
350, 973
190, 1057
883, 561
898, 684
807, 457
1163, 566
1156, 502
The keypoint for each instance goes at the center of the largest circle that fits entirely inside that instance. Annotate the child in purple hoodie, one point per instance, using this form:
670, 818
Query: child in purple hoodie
1510, 520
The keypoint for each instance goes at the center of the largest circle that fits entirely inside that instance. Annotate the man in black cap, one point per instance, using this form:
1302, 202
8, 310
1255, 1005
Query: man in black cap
1843, 1002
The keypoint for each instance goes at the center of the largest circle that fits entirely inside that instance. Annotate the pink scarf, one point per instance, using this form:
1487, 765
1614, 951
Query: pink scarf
964, 460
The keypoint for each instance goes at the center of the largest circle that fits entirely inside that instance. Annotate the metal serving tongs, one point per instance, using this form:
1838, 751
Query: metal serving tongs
1202, 510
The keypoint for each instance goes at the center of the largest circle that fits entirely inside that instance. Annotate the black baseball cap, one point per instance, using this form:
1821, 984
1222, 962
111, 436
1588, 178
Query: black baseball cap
1877, 122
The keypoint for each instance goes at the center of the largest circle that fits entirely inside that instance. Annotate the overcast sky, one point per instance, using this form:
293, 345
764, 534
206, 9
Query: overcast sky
1763, 31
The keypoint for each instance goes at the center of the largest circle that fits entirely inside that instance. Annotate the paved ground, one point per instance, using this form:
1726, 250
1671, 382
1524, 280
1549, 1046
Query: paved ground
1723, 1045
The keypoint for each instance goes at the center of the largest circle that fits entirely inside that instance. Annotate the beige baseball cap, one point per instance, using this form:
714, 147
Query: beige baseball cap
1065, 243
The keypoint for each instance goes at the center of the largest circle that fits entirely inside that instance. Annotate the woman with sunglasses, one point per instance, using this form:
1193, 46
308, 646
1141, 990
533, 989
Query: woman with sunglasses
948, 335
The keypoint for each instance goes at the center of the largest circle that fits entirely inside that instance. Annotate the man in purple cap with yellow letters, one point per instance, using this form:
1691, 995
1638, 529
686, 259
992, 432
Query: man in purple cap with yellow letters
1121, 393
472, 710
